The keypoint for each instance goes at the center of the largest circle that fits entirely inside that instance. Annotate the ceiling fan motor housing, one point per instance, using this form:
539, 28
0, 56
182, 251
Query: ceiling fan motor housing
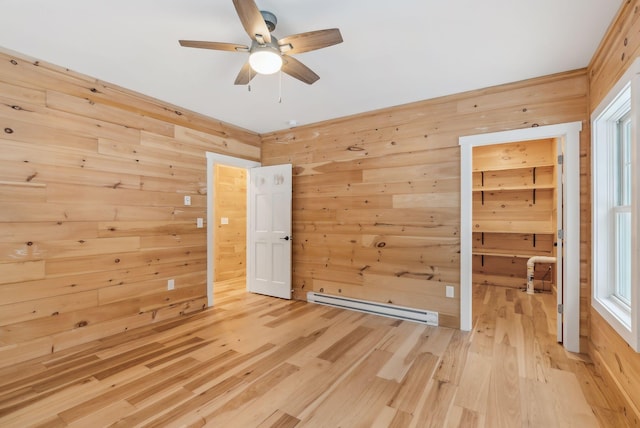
269, 19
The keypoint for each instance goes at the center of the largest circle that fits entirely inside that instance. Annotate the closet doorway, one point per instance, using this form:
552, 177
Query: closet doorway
565, 140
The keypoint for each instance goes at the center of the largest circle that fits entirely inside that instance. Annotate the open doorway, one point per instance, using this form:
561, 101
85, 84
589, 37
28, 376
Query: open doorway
226, 214
241, 193
517, 207
230, 223
568, 139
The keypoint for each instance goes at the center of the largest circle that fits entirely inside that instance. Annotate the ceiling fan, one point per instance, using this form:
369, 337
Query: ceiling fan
268, 54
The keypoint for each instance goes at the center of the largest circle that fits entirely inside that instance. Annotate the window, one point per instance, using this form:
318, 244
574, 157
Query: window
615, 214
622, 210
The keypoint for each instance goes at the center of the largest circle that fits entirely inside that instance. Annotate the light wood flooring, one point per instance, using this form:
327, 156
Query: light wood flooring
254, 361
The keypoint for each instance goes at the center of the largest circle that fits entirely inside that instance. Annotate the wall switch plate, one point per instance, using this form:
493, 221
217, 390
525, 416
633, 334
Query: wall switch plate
187, 200
450, 291
224, 220
199, 223
171, 284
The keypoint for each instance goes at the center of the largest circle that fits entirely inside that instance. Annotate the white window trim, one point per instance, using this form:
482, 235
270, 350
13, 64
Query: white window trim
624, 321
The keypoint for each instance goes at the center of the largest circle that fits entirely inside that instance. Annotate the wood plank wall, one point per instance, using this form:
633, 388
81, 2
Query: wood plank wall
92, 221
619, 48
230, 246
376, 196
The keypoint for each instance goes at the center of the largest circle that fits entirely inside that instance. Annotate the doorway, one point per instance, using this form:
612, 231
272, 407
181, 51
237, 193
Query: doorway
231, 169
568, 137
230, 223
266, 211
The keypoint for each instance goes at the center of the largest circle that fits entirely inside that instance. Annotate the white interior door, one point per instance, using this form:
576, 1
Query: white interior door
269, 227
560, 203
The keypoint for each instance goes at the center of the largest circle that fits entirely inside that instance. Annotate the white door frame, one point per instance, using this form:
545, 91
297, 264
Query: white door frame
570, 133
212, 160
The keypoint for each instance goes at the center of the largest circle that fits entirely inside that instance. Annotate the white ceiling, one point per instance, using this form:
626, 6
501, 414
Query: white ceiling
394, 52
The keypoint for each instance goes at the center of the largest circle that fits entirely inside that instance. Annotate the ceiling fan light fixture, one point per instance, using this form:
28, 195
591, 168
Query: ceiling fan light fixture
267, 54
265, 60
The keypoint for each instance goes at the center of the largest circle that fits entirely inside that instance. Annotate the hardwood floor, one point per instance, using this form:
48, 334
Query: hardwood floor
254, 361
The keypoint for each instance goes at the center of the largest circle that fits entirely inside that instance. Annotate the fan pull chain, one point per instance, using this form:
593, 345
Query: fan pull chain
280, 88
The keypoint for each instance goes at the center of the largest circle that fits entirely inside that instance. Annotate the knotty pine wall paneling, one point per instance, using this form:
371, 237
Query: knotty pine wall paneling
619, 48
376, 196
92, 220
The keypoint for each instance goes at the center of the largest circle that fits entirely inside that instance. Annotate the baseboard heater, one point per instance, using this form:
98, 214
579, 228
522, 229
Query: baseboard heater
387, 310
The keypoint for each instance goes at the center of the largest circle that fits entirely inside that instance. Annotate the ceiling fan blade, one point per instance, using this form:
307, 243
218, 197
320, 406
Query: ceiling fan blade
252, 20
245, 75
312, 40
295, 68
214, 45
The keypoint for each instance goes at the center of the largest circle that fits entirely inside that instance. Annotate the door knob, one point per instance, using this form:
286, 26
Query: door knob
286, 238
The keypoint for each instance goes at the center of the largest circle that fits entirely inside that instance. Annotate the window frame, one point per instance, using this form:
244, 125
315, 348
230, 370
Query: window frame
624, 97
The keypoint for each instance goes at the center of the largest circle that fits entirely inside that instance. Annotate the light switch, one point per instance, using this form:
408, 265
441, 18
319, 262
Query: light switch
450, 291
187, 200
199, 222
224, 220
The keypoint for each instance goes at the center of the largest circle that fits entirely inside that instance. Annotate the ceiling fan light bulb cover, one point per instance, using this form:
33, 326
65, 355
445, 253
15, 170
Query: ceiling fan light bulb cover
265, 61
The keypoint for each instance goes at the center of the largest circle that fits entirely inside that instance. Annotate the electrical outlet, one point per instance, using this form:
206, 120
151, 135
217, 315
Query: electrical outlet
171, 284
199, 223
450, 291
187, 200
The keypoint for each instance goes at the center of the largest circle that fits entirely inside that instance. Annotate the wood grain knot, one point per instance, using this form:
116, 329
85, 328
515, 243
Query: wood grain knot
14, 62
30, 243
117, 260
82, 324
355, 149
381, 244
8, 130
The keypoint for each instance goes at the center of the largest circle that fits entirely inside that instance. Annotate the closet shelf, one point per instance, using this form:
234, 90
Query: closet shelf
508, 188
524, 228
511, 167
510, 255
